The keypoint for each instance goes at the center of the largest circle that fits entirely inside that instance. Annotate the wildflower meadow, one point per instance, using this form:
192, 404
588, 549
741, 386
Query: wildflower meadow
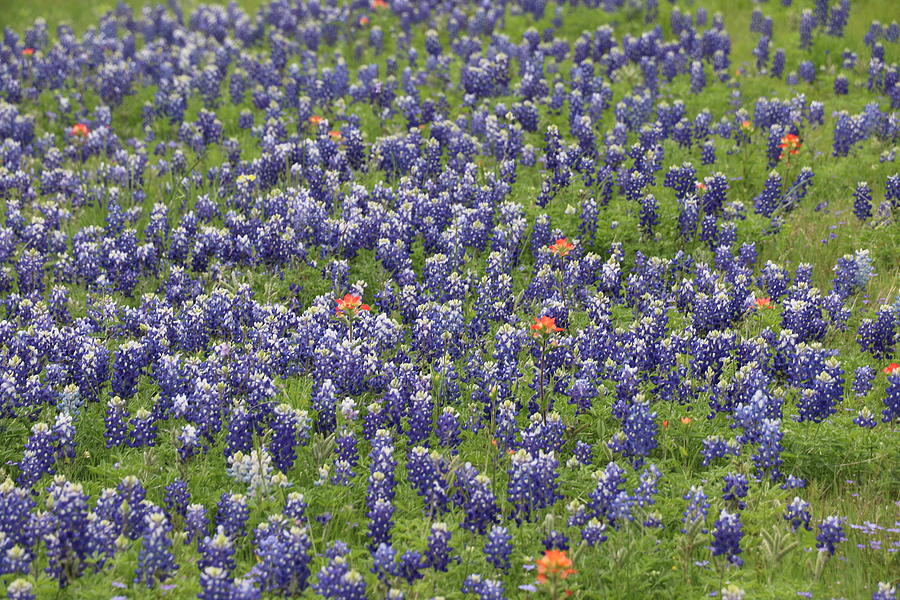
450, 299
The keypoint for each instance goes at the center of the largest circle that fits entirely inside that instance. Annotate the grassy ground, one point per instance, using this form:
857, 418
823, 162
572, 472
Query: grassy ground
850, 471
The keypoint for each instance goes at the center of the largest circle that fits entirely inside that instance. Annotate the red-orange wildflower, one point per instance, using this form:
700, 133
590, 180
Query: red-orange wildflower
350, 305
892, 368
544, 326
791, 143
561, 247
764, 303
554, 564
28, 51
79, 130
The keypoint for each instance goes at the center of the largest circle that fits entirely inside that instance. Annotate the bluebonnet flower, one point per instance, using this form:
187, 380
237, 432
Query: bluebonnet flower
380, 516
862, 201
609, 500
892, 190
409, 566
116, 422
878, 336
217, 551
143, 432
556, 541
532, 484
852, 272
891, 411
284, 559
448, 430
863, 378
66, 536
885, 591
818, 402
127, 365
769, 198
285, 424
727, 533
807, 26
155, 560
232, 514
188, 442
384, 561
807, 71
477, 499
698, 77
865, 418
325, 403
648, 214
426, 471
177, 498
761, 52
837, 18
498, 547
841, 85
638, 436
797, 514
437, 556
697, 510
39, 455
644, 494
735, 489
196, 522
485, 589
336, 580
20, 589
791, 482
583, 452
768, 454
778, 62
831, 533
715, 447
593, 532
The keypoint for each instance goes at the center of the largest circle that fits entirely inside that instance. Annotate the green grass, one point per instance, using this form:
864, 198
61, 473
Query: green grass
635, 562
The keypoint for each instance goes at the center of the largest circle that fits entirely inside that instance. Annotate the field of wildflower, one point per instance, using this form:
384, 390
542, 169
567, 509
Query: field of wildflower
450, 299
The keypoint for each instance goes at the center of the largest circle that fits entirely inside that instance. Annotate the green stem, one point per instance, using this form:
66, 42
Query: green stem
541, 380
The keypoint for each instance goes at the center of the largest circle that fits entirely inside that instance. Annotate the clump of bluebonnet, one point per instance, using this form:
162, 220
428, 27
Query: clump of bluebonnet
852, 272
797, 514
498, 547
862, 201
727, 533
891, 410
878, 336
885, 591
865, 418
831, 533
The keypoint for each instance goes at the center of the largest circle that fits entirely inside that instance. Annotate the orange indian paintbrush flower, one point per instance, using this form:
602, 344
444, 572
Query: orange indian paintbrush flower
544, 326
790, 143
561, 247
554, 564
350, 305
